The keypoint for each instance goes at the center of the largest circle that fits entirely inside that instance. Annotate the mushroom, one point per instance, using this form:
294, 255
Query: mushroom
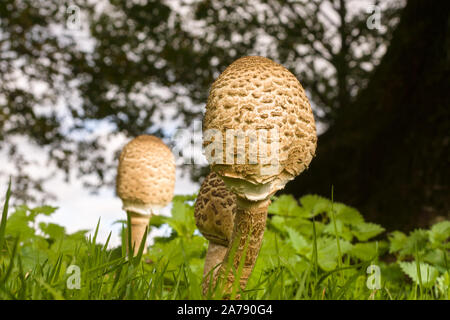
262, 106
214, 212
145, 182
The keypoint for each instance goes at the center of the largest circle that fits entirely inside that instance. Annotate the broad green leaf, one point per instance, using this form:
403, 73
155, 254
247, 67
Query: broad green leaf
347, 215
182, 219
157, 221
364, 251
53, 230
443, 284
32, 256
367, 230
327, 252
19, 223
440, 232
397, 241
305, 227
279, 222
417, 240
274, 251
298, 242
286, 205
428, 273
45, 210
315, 204
342, 230
436, 258
392, 273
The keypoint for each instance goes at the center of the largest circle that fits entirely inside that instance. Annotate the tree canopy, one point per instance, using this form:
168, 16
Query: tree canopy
134, 64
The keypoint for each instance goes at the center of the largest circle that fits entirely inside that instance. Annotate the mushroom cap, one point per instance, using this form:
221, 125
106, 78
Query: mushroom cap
146, 175
255, 94
215, 209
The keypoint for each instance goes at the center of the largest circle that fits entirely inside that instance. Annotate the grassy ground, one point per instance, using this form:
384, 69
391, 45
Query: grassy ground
313, 248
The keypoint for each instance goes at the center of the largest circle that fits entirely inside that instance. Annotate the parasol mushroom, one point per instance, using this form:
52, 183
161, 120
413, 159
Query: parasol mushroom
260, 106
145, 182
215, 208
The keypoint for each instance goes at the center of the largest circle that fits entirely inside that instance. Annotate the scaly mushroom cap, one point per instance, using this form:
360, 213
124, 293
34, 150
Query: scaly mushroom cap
214, 210
146, 175
255, 93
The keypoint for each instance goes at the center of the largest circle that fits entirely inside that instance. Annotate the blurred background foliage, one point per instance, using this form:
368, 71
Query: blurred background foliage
379, 94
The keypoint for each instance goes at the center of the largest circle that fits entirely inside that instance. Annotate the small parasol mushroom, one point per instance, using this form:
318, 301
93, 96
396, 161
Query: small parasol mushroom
145, 182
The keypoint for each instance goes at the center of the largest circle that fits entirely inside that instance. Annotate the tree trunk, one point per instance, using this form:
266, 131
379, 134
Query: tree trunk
388, 153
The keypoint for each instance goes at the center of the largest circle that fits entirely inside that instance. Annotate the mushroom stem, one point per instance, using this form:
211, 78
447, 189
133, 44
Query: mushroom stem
139, 223
214, 256
249, 226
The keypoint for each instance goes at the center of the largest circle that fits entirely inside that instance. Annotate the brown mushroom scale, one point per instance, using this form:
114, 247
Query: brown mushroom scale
256, 95
215, 209
145, 181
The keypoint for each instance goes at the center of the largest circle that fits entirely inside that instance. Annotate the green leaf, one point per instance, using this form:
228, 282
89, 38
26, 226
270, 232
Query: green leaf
440, 232
32, 256
443, 284
342, 230
45, 210
364, 251
392, 273
19, 223
417, 240
367, 230
53, 230
275, 251
305, 227
428, 273
347, 215
315, 204
182, 219
157, 221
327, 252
286, 205
397, 241
436, 258
278, 222
298, 242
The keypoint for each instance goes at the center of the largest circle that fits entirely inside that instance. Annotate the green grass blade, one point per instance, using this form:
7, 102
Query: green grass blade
138, 257
336, 232
11, 262
130, 245
5, 215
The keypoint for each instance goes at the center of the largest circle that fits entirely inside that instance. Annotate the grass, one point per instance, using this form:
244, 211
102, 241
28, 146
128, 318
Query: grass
313, 248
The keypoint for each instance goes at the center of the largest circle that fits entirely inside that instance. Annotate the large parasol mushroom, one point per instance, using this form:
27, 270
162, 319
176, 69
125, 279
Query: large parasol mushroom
258, 134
